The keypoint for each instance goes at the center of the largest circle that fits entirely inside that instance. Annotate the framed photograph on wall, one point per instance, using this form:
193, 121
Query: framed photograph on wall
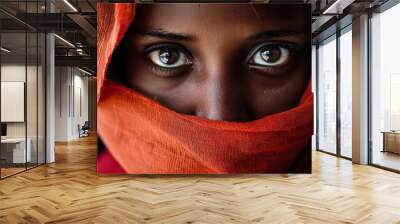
204, 88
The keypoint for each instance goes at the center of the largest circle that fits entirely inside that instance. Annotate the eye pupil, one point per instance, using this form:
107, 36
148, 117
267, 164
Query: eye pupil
270, 54
168, 56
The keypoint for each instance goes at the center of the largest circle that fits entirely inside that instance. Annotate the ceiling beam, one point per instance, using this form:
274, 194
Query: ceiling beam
82, 61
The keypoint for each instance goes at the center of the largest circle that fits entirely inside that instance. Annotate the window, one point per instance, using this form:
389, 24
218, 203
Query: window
346, 92
327, 95
385, 89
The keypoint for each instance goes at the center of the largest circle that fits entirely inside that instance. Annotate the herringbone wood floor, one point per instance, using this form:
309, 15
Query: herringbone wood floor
70, 191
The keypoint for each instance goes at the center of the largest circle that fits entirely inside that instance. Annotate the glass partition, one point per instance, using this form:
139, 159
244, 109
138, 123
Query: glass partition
345, 92
35, 43
14, 151
385, 89
23, 90
31, 100
326, 76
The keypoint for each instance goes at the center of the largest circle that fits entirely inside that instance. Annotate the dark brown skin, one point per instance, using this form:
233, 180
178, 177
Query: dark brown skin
232, 62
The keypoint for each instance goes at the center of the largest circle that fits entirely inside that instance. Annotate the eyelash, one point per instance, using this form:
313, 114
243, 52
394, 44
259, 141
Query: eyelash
166, 72
293, 48
293, 53
163, 71
175, 72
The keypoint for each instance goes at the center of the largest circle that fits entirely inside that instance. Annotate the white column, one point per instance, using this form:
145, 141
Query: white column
360, 90
50, 93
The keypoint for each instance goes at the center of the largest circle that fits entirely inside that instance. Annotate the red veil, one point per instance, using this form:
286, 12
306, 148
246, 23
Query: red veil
144, 137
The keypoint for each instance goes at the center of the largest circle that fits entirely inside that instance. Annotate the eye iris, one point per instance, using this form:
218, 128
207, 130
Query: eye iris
270, 54
168, 56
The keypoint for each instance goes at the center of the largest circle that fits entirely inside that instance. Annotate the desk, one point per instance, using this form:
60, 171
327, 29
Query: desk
13, 150
391, 141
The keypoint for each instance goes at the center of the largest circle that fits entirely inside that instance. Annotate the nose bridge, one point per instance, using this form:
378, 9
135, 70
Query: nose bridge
222, 95
219, 95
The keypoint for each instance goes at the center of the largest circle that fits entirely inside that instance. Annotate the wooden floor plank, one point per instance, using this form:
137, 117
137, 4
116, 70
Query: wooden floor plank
70, 191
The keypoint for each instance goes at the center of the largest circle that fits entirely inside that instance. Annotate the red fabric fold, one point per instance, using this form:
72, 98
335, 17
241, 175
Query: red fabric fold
145, 137
107, 164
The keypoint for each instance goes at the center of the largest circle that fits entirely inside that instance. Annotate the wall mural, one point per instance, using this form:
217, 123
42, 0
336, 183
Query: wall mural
204, 88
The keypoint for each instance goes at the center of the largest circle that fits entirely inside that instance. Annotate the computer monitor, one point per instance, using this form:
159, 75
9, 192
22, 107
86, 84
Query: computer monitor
3, 129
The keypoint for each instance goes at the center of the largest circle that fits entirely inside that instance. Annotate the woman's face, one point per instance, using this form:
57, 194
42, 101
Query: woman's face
233, 62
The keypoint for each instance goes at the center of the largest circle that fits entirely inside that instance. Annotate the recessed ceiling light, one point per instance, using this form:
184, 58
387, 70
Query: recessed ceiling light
5, 50
64, 40
337, 6
84, 71
70, 5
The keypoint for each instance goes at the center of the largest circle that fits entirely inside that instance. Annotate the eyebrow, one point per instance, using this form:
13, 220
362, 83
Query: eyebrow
163, 34
278, 33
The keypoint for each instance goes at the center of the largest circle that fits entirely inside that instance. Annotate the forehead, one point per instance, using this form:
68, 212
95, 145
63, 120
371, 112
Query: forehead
197, 17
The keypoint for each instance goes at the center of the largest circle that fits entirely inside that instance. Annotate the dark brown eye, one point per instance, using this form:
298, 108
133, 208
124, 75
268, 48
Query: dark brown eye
168, 57
270, 55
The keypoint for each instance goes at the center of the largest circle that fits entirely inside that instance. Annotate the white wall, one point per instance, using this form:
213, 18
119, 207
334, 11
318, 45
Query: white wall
16, 72
33, 127
12, 73
82, 82
61, 103
71, 102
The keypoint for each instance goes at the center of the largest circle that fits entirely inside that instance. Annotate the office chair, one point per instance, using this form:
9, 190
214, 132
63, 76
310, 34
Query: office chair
84, 130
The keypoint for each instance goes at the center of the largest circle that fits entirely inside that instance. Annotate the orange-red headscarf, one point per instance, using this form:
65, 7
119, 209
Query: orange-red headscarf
147, 138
